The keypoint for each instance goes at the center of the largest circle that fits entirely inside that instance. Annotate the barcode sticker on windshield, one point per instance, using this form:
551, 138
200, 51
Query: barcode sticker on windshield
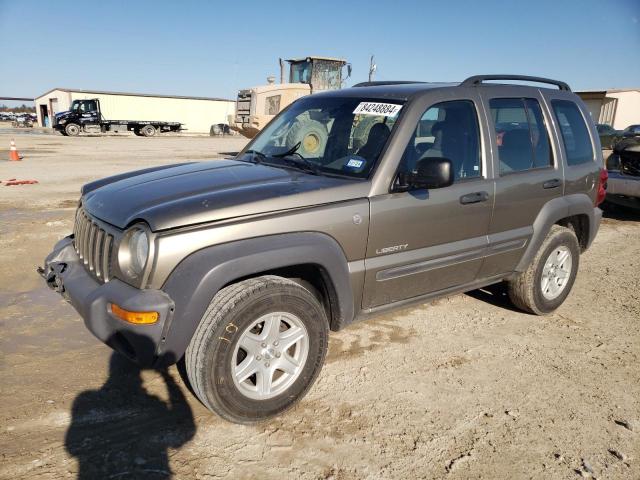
379, 109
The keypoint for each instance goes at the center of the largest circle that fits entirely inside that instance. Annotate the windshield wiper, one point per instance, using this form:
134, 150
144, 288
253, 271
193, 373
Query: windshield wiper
303, 164
291, 151
299, 161
256, 156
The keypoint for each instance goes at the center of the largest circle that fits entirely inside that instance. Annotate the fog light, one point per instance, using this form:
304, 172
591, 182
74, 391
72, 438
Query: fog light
139, 318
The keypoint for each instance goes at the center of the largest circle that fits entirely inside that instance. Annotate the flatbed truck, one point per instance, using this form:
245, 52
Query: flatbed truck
86, 116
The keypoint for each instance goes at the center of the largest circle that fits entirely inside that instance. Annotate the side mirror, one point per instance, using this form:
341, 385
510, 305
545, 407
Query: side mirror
430, 172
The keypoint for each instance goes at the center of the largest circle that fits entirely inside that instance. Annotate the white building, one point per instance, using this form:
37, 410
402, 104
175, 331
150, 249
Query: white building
618, 108
197, 114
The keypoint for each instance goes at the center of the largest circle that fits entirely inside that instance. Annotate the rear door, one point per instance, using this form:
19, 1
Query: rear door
425, 241
579, 143
528, 171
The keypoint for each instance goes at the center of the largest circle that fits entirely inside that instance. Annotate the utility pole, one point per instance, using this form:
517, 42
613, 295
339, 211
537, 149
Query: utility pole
372, 67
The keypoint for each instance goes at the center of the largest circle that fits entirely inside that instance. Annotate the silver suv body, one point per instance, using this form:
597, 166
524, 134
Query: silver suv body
356, 202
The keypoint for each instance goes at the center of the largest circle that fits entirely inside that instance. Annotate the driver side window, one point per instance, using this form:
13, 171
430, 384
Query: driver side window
447, 130
88, 106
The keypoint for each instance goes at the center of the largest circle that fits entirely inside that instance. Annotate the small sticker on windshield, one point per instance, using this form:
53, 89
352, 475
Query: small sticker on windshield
355, 163
378, 109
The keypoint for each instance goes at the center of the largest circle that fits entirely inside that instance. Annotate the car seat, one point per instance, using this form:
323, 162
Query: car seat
376, 139
515, 152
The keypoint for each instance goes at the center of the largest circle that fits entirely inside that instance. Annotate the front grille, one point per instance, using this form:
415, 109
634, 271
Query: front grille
93, 245
243, 104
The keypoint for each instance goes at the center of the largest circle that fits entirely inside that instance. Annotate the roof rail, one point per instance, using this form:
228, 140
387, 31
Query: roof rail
384, 82
478, 79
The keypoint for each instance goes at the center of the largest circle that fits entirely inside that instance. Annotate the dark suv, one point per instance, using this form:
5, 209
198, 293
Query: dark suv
348, 204
624, 170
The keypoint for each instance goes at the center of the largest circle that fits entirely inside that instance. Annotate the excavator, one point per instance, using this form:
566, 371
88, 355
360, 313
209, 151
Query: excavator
255, 107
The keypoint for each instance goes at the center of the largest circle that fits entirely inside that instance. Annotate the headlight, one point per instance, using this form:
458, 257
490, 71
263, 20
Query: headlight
133, 254
139, 248
62, 121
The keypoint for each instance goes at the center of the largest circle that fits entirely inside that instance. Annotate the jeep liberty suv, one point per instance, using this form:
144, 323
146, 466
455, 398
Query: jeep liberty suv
349, 203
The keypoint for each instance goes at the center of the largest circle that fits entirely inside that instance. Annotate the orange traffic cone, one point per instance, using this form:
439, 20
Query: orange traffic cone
14, 156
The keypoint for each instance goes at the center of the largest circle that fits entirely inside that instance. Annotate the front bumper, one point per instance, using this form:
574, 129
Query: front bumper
65, 273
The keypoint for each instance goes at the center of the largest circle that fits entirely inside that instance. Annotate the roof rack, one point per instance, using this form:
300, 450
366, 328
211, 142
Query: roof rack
385, 82
478, 79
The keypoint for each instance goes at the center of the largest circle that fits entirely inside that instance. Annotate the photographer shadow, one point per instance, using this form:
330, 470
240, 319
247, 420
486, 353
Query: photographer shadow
122, 431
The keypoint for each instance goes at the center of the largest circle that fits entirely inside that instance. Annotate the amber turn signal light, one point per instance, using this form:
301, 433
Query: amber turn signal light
139, 318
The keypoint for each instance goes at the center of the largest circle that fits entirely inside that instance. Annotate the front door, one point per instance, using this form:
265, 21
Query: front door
424, 241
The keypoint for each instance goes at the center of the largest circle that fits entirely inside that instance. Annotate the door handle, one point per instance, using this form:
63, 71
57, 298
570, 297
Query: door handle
555, 183
474, 197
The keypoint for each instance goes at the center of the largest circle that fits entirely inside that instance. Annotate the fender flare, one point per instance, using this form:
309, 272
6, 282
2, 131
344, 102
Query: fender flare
198, 278
554, 211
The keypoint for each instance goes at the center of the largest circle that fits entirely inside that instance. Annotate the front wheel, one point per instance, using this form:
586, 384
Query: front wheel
258, 349
72, 129
546, 283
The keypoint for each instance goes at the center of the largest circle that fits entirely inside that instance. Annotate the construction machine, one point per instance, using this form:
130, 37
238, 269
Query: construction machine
256, 106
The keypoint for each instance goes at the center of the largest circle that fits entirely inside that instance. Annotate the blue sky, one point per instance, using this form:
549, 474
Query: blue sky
215, 48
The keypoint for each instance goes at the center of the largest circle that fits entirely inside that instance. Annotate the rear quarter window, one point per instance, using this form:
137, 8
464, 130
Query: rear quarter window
574, 131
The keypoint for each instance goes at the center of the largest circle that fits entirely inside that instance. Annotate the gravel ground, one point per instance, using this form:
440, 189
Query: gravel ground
464, 387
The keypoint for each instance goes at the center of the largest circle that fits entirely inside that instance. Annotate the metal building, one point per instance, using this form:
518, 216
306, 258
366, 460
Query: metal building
197, 114
618, 108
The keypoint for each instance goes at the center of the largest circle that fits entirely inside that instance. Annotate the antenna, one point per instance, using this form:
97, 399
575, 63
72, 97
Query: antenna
372, 67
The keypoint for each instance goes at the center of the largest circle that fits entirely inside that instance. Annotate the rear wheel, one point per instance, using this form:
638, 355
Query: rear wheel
258, 349
148, 130
72, 129
546, 283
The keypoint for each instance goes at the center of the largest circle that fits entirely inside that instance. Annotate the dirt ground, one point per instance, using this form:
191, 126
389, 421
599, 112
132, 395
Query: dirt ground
465, 387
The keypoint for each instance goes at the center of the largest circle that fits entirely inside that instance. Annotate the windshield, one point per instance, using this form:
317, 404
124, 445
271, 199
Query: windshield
301, 72
75, 105
340, 136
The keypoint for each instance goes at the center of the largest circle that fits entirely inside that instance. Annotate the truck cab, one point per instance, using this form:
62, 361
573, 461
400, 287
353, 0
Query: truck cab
81, 113
256, 106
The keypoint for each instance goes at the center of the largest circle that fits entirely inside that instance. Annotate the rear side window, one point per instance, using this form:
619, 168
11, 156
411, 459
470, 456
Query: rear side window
521, 134
575, 135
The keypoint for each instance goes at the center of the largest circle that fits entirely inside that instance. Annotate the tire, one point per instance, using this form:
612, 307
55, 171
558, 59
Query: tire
216, 130
532, 293
63, 133
148, 130
218, 347
72, 129
137, 132
312, 136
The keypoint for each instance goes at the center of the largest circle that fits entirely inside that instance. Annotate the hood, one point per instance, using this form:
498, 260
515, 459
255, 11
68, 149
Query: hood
187, 194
